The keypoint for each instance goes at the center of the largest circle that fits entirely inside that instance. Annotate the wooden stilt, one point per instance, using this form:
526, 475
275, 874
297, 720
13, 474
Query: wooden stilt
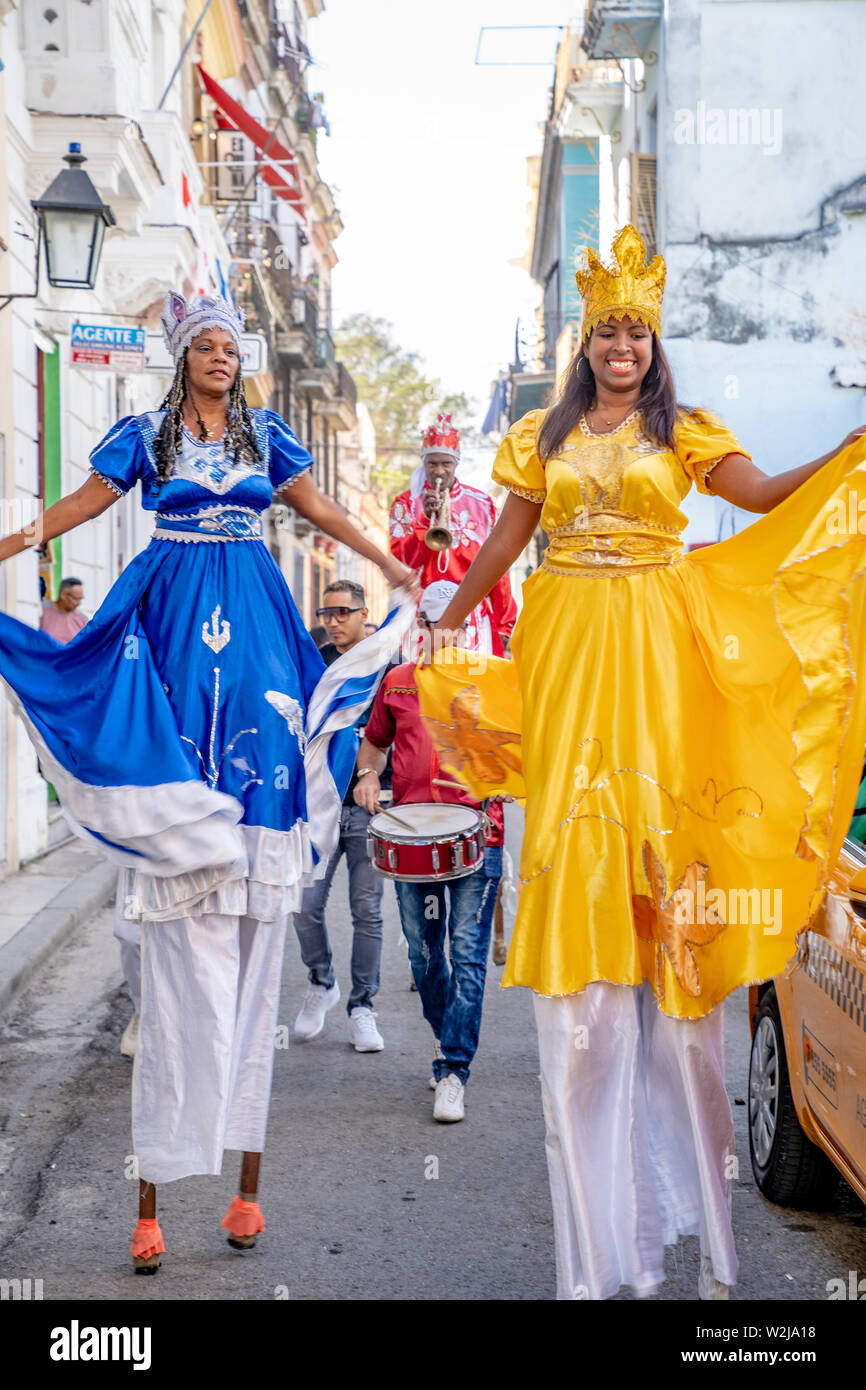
247, 1191
147, 1264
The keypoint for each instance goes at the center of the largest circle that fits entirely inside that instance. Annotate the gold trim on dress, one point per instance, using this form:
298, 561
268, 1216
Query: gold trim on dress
528, 493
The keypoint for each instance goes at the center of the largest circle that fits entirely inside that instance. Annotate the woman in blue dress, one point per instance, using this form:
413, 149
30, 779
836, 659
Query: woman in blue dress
207, 748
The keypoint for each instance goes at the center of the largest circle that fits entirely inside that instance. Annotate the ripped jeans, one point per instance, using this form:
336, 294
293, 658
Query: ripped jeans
451, 997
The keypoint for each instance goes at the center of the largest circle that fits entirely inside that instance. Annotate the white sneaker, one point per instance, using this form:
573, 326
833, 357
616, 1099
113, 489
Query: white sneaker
709, 1288
363, 1033
449, 1105
129, 1041
311, 1020
438, 1056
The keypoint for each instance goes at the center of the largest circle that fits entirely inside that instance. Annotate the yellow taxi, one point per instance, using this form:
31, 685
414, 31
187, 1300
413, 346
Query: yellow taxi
807, 1073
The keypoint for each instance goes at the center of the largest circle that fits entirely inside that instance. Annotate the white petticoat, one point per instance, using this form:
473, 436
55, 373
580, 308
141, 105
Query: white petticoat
640, 1138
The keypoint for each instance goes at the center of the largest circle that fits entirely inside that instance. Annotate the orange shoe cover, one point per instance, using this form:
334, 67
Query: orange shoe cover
243, 1218
147, 1240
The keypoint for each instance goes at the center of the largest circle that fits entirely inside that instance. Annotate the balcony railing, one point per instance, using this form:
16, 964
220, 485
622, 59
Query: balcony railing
305, 311
346, 385
621, 28
283, 53
326, 353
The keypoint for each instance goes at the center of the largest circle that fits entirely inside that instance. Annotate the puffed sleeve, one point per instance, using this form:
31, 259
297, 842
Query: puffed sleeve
121, 459
289, 459
517, 465
701, 441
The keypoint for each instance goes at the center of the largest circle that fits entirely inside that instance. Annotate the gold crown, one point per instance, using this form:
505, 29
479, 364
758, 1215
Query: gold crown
632, 287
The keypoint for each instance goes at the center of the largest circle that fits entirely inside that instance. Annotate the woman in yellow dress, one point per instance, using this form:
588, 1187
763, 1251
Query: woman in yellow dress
687, 731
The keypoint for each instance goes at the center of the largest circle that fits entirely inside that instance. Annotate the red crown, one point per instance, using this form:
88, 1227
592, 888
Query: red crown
441, 438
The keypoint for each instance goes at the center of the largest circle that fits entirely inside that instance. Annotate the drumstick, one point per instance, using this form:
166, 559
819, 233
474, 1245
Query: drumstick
440, 782
405, 824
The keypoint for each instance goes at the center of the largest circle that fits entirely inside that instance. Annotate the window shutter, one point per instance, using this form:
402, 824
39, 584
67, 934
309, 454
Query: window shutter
643, 198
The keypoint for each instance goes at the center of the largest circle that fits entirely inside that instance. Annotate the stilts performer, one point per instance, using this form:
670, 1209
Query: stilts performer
688, 732
437, 528
208, 748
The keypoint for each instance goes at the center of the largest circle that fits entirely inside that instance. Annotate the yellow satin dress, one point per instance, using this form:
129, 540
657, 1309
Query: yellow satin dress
687, 729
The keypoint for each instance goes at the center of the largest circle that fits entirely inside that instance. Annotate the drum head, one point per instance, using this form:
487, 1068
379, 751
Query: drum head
433, 818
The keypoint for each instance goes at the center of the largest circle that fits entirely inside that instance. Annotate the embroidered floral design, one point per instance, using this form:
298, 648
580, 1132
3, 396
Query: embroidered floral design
668, 922
401, 520
483, 749
292, 712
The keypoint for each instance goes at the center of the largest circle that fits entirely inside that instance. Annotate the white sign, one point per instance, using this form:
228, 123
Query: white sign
236, 170
254, 354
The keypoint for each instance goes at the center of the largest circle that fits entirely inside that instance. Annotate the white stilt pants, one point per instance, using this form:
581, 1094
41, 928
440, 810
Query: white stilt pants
201, 1082
640, 1137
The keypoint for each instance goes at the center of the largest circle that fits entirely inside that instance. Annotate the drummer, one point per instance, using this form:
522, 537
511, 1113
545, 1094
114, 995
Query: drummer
451, 996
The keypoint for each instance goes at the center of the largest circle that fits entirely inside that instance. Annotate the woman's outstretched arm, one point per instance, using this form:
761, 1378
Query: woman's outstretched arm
737, 480
309, 501
92, 499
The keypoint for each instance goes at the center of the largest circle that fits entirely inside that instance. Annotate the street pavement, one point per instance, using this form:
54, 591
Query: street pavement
365, 1197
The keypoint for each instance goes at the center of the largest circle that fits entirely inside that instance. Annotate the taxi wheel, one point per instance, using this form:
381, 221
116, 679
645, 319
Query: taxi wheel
789, 1169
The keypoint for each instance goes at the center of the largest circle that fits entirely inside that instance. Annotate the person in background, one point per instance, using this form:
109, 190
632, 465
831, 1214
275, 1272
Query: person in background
472, 518
61, 618
369, 629
319, 636
344, 613
451, 994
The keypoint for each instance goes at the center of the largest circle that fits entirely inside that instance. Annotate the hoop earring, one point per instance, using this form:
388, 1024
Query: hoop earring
581, 360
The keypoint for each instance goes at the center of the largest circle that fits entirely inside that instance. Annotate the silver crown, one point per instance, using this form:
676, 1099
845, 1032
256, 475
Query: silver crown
182, 321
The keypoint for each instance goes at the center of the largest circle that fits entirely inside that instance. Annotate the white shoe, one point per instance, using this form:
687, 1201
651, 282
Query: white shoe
363, 1033
449, 1105
129, 1041
311, 1020
438, 1056
709, 1288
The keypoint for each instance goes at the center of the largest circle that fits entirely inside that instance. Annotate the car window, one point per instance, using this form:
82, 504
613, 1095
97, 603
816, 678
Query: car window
857, 830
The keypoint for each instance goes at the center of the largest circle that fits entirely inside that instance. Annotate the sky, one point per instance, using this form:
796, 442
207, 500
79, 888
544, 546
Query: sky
427, 160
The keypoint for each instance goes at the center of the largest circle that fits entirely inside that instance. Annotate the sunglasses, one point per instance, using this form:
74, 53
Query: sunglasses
337, 610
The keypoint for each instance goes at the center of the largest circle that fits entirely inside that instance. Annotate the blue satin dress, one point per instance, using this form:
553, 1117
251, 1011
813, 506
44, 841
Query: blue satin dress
174, 724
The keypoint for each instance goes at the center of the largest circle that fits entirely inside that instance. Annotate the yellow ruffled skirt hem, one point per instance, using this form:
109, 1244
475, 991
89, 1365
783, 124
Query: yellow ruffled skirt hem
689, 742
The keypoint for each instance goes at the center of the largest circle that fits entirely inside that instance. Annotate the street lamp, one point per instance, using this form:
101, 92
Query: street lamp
72, 218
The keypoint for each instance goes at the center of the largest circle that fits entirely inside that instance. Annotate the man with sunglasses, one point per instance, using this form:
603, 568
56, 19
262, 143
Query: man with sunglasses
343, 614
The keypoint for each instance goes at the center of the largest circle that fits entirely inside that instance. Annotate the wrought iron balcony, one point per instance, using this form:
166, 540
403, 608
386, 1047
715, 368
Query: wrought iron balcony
346, 387
621, 29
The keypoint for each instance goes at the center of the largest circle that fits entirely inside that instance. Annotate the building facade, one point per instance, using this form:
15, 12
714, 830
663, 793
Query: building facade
707, 124
199, 206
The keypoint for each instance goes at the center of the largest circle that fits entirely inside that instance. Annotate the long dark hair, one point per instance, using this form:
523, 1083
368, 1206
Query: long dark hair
657, 402
240, 437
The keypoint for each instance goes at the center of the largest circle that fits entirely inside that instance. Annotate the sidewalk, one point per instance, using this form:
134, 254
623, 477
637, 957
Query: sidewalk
43, 904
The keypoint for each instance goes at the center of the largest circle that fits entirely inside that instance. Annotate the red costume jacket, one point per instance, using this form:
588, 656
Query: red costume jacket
473, 516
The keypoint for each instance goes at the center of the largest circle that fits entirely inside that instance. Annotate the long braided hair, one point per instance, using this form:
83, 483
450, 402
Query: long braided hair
240, 435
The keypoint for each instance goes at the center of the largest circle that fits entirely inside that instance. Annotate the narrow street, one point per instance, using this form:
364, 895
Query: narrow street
364, 1196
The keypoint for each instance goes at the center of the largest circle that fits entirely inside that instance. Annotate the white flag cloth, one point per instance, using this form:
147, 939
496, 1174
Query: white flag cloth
335, 707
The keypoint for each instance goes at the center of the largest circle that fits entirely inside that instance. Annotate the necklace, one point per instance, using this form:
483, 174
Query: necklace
205, 431
587, 429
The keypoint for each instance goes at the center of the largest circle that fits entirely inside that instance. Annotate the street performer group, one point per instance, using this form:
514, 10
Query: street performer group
650, 763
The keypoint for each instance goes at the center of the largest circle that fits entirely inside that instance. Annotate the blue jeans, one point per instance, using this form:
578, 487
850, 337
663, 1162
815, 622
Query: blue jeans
452, 997
365, 901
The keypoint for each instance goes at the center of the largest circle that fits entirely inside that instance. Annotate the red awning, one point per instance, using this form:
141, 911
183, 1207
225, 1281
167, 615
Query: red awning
279, 162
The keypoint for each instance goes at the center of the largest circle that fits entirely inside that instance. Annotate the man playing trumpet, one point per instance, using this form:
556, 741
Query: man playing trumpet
439, 524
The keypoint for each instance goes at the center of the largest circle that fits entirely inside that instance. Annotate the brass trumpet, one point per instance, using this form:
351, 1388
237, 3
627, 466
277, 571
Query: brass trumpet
439, 535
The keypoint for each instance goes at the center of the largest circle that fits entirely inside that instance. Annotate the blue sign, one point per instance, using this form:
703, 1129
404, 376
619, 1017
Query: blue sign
106, 346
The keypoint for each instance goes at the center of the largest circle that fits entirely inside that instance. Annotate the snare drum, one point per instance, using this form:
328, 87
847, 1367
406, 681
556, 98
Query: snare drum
433, 842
